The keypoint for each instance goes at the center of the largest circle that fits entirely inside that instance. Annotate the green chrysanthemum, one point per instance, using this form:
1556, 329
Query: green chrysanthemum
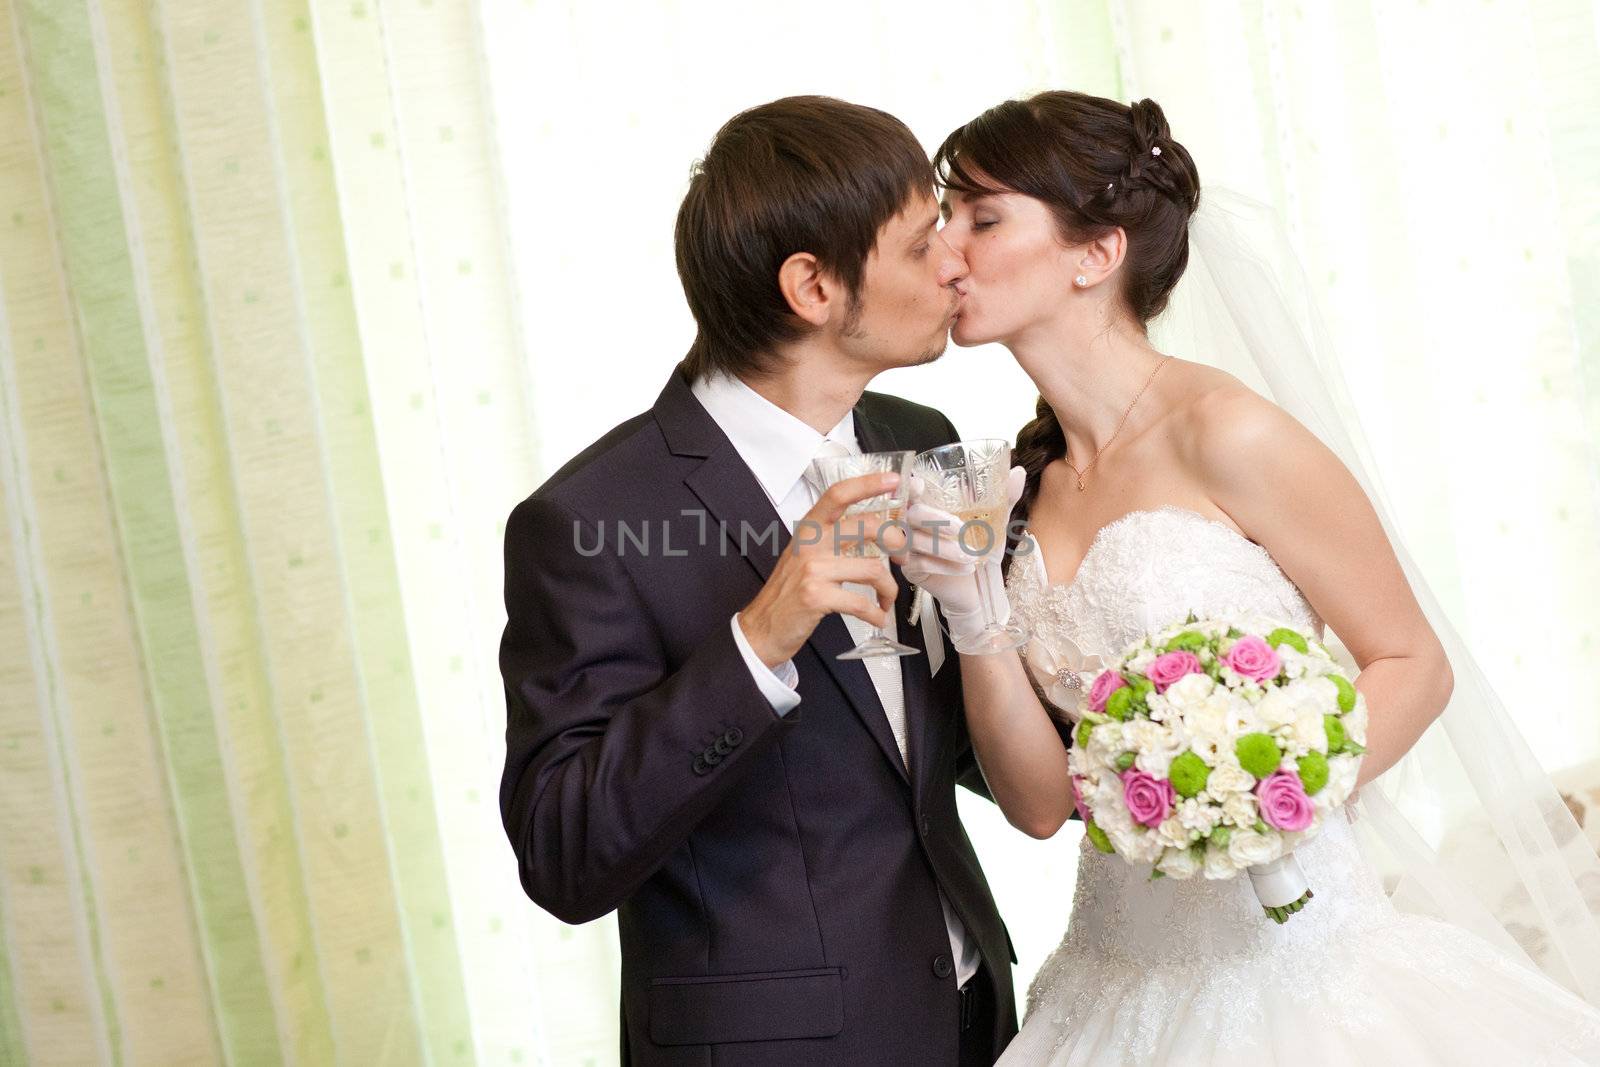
1188, 774
1120, 703
1285, 636
1258, 754
1125, 761
1097, 837
1313, 772
1333, 726
1085, 728
1187, 641
1347, 692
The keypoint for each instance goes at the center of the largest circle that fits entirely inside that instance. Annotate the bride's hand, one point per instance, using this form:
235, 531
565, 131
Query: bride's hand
943, 562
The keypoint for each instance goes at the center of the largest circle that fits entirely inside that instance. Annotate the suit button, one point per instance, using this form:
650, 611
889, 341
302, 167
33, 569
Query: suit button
700, 765
927, 826
712, 758
722, 747
942, 966
734, 735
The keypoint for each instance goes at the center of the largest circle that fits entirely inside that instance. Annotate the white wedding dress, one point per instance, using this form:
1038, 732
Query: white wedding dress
1191, 972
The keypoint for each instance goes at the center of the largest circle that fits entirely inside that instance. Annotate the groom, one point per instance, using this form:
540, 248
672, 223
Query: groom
775, 826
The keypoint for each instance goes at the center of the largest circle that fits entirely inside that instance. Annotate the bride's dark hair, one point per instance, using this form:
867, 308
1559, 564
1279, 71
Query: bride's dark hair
1097, 164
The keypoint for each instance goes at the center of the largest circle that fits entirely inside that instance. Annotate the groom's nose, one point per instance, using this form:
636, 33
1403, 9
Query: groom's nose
952, 264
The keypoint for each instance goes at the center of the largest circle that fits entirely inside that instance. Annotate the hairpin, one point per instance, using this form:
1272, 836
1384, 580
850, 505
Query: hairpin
1155, 150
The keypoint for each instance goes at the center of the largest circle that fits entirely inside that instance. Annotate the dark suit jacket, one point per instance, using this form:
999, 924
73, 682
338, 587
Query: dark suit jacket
774, 876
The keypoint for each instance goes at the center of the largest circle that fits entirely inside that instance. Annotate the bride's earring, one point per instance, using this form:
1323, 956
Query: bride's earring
1080, 280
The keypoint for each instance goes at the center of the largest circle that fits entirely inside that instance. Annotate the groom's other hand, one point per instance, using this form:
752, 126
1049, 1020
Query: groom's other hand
808, 581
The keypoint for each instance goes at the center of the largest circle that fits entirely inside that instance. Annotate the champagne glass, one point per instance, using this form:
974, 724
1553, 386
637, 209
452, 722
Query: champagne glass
968, 479
860, 526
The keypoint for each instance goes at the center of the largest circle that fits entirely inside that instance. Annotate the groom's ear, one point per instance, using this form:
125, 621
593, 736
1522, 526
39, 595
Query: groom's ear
811, 292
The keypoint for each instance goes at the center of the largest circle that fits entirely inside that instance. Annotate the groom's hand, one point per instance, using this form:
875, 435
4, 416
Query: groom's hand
808, 581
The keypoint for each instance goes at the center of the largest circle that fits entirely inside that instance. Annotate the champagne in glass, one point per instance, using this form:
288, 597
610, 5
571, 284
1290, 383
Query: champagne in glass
858, 530
968, 479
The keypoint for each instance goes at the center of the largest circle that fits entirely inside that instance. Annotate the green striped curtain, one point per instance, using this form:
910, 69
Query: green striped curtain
264, 407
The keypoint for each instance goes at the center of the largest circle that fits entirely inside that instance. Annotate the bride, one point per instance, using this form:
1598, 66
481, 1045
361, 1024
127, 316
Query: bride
1152, 485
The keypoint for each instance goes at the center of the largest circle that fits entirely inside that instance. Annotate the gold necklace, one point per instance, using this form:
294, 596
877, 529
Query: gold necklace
1080, 473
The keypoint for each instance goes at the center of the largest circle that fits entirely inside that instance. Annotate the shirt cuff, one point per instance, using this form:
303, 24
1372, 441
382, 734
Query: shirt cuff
778, 683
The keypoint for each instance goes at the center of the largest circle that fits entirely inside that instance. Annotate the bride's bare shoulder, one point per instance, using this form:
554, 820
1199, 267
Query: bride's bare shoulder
1214, 406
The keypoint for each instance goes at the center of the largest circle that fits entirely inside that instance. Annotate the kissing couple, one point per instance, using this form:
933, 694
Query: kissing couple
776, 824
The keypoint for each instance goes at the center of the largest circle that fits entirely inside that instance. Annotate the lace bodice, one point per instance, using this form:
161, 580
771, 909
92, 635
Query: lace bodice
1146, 570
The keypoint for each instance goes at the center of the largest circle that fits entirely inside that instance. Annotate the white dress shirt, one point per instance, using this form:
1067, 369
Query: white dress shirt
777, 447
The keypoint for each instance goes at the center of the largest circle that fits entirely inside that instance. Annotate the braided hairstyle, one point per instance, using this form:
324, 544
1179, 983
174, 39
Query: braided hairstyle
1098, 165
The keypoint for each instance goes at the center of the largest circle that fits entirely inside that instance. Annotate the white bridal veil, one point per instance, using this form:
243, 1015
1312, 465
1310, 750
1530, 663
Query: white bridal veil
1467, 827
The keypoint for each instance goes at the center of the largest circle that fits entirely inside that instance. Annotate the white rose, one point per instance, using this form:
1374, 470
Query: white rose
1239, 809
1140, 846
1229, 779
1189, 691
1278, 708
1212, 750
1319, 694
1179, 863
1112, 816
1342, 773
1246, 848
1209, 719
1141, 662
1355, 721
1156, 745
1194, 814
1218, 864
1121, 841
1244, 718
1172, 832
1106, 741
1308, 731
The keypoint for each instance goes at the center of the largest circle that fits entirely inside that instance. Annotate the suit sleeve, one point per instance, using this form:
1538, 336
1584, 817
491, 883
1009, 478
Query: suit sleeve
613, 755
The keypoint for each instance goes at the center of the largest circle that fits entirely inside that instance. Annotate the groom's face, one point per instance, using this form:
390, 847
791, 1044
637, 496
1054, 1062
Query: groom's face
908, 298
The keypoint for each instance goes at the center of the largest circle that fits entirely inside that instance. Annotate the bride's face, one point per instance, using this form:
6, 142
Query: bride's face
1019, 272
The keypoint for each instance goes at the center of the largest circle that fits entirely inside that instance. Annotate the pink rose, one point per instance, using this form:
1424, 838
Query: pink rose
1170, 666
1251, 657
1077, 797
1107, 683
1283, 801
1149, 799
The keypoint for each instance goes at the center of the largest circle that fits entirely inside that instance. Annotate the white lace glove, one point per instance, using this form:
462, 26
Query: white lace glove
943, 563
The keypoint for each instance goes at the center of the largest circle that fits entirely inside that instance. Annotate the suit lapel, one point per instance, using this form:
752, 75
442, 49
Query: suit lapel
732, 496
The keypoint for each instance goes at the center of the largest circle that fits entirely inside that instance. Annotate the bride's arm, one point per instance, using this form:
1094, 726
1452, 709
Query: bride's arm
1290, 494
1017, 745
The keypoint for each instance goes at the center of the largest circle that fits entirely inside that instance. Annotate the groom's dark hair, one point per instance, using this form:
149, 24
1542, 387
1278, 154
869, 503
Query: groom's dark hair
801, 174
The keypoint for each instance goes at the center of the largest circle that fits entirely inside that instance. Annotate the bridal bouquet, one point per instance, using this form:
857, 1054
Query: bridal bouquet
1215, 747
